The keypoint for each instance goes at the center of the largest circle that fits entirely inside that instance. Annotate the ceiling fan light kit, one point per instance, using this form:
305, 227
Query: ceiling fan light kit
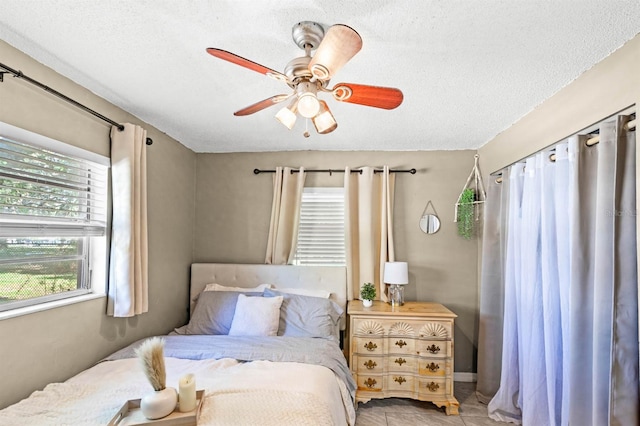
308, 76
324, 121
308, 105
287, 115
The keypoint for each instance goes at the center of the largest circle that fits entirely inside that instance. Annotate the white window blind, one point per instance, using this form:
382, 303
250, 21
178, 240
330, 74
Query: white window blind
58, 192
321, 232
53, 204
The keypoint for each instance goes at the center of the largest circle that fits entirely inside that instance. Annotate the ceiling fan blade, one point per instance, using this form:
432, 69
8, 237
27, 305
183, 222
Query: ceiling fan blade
339, 44
253, 66
259, 106
373, 96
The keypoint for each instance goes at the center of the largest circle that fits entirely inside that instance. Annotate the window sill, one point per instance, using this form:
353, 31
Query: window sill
48, 305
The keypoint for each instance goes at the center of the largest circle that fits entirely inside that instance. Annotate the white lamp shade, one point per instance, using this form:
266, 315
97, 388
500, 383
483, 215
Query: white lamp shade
287, 115
324, 121
308, 105
396, 273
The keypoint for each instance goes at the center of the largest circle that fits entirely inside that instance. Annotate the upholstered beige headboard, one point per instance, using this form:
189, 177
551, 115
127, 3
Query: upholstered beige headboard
330, 278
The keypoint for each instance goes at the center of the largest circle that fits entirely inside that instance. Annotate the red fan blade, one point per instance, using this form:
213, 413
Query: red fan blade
253, 66
373, 96
259, 106
338, 45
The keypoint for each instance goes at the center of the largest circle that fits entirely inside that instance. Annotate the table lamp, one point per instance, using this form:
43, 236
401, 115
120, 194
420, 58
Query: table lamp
396, 274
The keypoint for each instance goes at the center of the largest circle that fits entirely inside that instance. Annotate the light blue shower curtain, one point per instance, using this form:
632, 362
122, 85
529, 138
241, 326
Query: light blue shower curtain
570, 334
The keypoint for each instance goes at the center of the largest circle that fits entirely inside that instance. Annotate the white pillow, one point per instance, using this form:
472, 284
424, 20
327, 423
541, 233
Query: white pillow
256, 316
304, 292
219, 287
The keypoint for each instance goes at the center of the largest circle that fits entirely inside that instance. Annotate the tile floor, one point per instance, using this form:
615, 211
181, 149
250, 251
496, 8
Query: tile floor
408, 412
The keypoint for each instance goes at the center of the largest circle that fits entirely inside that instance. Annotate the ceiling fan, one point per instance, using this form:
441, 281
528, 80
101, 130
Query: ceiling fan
308, 76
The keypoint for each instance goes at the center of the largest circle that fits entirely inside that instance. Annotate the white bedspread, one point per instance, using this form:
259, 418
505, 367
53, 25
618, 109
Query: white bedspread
236, 393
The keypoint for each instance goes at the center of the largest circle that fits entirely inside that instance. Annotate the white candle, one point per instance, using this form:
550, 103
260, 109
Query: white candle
187, 393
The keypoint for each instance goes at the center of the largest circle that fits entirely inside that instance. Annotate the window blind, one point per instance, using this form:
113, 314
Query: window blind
321, 230
49, 193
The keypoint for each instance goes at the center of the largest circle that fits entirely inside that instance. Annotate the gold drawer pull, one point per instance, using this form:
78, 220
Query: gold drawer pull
433, 349
370, 364
433, 367
399, 379
370, 382
372, 346
433, 386
400, 361
401, 343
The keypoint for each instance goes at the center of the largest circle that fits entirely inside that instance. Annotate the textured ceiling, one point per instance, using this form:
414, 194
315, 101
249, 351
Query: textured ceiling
468, 69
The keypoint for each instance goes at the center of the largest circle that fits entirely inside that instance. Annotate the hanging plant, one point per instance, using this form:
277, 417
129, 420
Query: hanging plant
470, 199
466, 213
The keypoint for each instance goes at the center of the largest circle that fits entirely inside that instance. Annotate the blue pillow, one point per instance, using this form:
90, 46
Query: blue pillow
307, 316
214, 312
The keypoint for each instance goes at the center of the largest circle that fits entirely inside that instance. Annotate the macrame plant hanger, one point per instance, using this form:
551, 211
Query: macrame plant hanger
472, 196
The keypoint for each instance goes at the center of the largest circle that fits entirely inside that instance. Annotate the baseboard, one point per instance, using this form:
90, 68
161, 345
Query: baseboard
464, 377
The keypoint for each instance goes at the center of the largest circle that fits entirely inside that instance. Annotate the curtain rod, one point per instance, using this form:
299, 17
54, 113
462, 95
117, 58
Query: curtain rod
630, 125
19, 74
331, 171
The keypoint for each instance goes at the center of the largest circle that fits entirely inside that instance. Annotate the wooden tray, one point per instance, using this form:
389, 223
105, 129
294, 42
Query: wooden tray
131, 415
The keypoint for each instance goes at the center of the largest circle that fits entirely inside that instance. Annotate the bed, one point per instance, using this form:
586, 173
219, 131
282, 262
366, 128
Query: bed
262, 341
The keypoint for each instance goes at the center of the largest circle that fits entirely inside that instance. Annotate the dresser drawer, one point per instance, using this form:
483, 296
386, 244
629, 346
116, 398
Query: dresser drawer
433, 348
401, 345
436, 330
402, 363
368, 346
369, 364
429, 388
368, 327
370, 382
400, 382
434, 367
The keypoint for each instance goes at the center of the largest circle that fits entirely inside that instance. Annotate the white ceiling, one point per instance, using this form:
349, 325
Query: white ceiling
468, 69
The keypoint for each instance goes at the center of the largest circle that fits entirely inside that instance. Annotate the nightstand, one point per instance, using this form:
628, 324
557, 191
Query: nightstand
402, 351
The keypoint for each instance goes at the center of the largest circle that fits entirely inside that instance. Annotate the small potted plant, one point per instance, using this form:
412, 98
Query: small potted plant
367, 293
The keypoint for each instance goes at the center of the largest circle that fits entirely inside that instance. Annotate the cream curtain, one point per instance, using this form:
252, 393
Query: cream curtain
128, 267
368, 228
285, 215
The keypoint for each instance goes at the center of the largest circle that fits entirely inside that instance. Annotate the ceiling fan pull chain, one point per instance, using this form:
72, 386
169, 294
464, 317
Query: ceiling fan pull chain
306, 133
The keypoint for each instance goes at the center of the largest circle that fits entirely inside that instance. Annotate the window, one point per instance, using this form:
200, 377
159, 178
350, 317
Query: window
53, 205
321, 232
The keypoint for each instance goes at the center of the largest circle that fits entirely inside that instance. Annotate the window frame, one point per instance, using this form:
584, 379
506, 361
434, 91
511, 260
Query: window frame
91, 233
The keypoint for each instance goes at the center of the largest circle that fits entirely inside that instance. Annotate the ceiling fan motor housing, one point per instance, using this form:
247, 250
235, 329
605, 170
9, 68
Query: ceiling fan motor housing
307, 33
298, 68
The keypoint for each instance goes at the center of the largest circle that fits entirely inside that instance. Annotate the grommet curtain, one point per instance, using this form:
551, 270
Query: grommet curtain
570, 326
128, 263
368, 228
285, 215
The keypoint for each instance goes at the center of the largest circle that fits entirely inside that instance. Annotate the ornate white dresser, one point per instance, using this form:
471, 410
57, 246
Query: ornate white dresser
404, 351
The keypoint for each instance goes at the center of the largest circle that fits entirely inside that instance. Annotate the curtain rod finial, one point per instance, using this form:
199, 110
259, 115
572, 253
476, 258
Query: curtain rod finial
256, 171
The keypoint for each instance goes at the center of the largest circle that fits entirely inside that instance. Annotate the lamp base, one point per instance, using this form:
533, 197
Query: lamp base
396, 295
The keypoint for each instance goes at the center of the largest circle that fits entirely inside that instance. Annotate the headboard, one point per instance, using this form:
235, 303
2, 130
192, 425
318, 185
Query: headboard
329, 278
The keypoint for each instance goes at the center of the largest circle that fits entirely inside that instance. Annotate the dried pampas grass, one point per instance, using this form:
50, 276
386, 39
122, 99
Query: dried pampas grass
151, 356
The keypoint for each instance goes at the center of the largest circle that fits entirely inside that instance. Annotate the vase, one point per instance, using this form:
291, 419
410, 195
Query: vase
367, 303
158, 404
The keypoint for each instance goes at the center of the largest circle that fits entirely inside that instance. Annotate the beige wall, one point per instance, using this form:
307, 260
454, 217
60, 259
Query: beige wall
234, 206
52, 345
